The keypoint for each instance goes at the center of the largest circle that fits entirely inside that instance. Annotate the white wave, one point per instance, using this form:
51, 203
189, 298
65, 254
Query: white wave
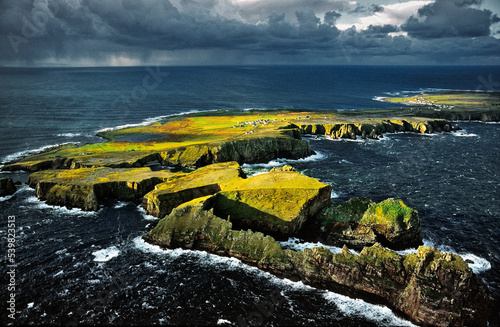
493, 122
379, 314
144, 246
282, 161
223, 322
7, 197
476, 263
22, 154
30, 305
296, 244
33, 201
142, 211
59, 273
69, 134
380, 99
120, 204
345, 161
463, 133
357, 140
105, 255
152, 120
376, 313
335, 195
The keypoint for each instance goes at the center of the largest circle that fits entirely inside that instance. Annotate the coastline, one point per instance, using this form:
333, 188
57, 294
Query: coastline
304, 128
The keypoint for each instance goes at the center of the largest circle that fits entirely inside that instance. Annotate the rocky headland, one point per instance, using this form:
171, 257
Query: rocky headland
205, 201
430, 287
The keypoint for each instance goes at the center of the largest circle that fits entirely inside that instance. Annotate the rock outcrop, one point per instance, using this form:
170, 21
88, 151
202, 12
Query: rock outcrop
182, 188
377, 128
278, 202
430, 287
7, 186
245, 149
361, 222
84, 188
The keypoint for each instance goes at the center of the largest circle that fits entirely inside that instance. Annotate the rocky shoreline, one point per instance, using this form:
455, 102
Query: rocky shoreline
429, 287
213, 206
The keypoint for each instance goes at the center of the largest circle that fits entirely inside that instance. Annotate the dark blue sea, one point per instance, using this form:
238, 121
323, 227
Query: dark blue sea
74, 267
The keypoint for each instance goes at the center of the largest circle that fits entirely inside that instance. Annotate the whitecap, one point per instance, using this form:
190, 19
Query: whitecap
69, 135
105, 255
476, 263
379, 314
376, 313
464, 133
223, 322
335, 195
380, 99
146, 247
120, 204
281, 161
7, 197
296, 244
144, 214
151, 120
59, 273
22, 154
36, 203
30, 305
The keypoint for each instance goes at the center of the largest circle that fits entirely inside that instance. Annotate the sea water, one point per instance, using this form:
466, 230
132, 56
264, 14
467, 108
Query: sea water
78, 267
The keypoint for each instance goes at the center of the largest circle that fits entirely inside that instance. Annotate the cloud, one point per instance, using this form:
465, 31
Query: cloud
450, 18
258, 10
124, 32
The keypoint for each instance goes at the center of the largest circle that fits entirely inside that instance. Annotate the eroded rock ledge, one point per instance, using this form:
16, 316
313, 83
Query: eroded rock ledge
430, 287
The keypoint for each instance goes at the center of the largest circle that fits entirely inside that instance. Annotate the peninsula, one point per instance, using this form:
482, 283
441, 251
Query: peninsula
205, 201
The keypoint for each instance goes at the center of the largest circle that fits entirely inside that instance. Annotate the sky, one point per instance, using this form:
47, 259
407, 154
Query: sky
249, 32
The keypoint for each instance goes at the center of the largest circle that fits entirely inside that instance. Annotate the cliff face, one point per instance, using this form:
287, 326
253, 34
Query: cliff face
377, 128
84, 188
287, 144
430, 287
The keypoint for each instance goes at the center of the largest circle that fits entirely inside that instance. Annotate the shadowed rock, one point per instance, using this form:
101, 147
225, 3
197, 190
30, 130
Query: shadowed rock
7, 186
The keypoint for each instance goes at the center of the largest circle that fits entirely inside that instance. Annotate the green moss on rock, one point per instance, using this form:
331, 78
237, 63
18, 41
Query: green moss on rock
277, 202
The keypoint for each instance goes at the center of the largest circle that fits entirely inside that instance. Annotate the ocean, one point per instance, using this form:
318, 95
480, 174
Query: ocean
75, 267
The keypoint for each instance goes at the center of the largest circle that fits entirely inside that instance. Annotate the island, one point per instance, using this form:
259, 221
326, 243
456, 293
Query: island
186, 170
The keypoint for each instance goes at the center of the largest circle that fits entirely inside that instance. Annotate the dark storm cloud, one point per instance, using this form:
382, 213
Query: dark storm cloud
374, 8
218, 31
450, 18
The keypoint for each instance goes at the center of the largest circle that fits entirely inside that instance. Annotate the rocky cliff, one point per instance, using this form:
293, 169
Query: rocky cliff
430, 287
377, 128
360, 222
84, 188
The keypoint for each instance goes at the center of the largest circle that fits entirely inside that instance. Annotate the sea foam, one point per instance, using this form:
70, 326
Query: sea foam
379, 314
105, 255
23, 154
